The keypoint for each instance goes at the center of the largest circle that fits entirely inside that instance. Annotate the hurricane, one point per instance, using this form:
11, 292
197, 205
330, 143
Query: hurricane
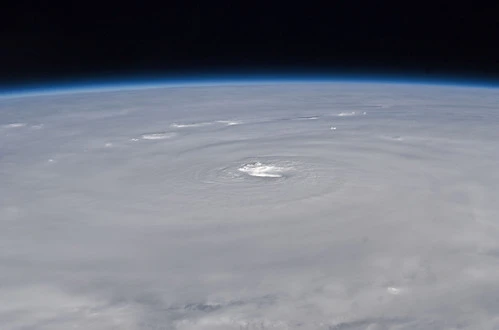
306, 205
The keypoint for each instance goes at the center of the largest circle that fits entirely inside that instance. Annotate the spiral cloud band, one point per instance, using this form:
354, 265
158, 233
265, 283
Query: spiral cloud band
272, 206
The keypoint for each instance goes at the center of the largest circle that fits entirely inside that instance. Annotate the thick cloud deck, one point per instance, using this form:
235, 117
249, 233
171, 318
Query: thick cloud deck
293, 206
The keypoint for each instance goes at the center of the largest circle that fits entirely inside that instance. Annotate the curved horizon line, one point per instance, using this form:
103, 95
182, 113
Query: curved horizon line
137, 82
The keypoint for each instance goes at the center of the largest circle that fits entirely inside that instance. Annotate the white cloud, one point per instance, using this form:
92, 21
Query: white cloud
389, 225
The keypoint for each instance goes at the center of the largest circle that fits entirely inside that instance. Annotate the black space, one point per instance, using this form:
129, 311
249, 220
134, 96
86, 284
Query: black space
44, 42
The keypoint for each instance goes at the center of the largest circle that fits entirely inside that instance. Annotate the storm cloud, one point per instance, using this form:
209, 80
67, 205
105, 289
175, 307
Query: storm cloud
240, 207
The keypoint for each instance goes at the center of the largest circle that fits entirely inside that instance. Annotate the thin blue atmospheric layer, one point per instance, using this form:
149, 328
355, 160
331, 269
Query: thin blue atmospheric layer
136, 82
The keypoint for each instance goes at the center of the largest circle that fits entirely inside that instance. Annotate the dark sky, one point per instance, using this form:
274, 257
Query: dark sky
44, 42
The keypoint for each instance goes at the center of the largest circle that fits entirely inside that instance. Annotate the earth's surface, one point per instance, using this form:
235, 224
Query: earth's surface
272, 206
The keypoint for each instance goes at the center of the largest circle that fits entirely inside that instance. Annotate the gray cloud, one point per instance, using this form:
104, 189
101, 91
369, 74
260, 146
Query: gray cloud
134, 209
